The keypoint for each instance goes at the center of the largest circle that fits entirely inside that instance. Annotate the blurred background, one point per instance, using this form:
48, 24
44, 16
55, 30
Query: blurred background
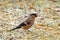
46, 25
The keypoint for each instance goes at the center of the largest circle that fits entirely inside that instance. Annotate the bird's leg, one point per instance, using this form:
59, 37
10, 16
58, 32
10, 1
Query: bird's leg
29, 30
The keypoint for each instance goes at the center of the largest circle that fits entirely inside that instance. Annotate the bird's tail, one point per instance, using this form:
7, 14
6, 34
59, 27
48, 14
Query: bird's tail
16, 28
19, 26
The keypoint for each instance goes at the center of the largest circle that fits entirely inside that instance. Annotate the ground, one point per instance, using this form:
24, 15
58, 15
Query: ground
46, 25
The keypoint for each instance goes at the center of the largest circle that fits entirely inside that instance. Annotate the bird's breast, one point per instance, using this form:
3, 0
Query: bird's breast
28, 25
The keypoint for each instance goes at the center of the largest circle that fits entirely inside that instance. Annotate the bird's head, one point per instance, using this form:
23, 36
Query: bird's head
33, 15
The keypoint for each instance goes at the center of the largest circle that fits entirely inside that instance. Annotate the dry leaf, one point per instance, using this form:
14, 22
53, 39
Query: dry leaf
38, 26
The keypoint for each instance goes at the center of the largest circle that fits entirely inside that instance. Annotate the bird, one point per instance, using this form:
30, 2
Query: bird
53, 0
27, 24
